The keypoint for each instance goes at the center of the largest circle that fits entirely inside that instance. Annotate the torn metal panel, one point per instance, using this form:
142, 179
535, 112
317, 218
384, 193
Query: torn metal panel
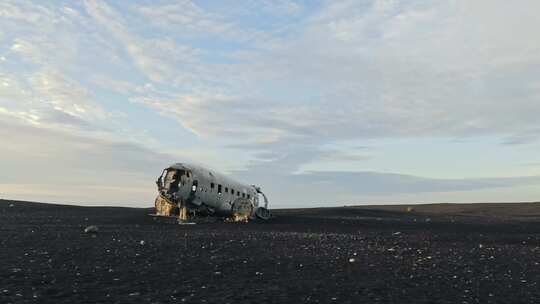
165, 207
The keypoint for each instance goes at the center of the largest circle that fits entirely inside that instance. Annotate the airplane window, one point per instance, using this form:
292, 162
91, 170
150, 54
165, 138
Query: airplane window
219, 189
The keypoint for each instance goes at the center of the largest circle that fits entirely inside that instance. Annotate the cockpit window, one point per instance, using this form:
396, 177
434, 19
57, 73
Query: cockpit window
171, 180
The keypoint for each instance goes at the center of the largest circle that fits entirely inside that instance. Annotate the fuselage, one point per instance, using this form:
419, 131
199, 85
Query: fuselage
205, 191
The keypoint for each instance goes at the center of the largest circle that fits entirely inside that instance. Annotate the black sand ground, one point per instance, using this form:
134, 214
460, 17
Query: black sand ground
335, 255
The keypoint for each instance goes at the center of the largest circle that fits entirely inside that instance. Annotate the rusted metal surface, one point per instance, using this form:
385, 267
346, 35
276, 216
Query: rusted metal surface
165, 207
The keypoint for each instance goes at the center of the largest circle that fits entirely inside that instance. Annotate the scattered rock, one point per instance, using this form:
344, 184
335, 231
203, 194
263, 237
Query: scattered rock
142, 242
351, 260
91, 229
11, 205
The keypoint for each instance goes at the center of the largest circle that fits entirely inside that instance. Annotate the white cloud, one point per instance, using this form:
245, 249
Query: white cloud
66, 96
186, 19
283, 6
49, 99
204, 115
158, 59
23, 11
186, 16
119, 86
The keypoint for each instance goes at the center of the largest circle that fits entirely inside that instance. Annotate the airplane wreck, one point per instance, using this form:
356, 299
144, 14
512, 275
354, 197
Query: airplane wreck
187, 191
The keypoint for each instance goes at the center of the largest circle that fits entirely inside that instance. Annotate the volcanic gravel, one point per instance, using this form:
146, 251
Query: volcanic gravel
334, 255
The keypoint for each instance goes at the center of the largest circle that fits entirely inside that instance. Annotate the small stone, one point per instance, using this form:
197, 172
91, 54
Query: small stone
142, 242
91, 229
11, 205
351, 260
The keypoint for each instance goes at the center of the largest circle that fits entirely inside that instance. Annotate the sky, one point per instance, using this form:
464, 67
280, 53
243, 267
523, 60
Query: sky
321, 103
